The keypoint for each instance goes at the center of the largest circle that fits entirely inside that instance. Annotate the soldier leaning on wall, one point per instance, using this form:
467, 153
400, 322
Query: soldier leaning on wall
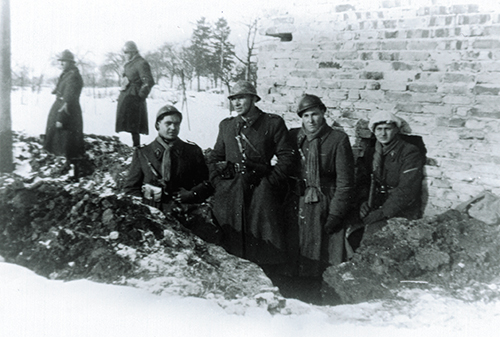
389, 176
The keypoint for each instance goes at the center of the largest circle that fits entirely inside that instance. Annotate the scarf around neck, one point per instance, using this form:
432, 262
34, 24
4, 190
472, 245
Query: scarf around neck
313, 186
166, 162
380, 152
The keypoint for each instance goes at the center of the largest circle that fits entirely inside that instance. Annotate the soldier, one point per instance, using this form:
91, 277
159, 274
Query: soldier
325, 189
248, 189
168, 171
390, 175
132, 115
64, 131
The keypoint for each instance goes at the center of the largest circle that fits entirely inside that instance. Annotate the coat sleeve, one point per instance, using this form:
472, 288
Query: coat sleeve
135, 177
70, 94
409, 186
285, 154
216, 155
344, 167
146, 78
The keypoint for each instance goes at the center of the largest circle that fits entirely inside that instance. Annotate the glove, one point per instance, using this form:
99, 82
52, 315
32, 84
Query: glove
184, 196
374, 216
364, 209
151, 192
333, 224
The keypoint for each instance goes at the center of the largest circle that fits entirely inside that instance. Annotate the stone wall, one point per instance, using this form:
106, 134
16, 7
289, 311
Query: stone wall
434, 63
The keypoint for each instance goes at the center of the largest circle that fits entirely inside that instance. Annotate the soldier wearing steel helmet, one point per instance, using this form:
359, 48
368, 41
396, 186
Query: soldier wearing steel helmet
325, 183
137, 81
64, 131
168, 171
248, 189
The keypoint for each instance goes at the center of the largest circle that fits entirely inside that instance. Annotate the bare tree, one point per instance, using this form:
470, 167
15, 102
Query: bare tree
250, 67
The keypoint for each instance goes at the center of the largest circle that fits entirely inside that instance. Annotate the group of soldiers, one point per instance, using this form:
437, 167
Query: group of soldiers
293, 201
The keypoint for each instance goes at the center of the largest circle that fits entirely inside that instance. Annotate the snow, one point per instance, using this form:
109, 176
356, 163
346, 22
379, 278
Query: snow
31, 305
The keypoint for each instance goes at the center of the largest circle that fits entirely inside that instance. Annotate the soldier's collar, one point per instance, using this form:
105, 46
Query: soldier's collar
253, 115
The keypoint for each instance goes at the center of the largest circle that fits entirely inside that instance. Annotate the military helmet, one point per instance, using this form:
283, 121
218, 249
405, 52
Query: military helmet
243, 88
307, 102
66, 55
130, 47
167, 110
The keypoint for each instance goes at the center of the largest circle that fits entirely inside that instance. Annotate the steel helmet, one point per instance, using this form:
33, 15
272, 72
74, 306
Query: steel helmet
243, 88
307, 102
167, 110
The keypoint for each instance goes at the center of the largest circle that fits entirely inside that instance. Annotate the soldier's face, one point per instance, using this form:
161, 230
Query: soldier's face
243, 103
385, 132
313, 118
169, 127
128, 55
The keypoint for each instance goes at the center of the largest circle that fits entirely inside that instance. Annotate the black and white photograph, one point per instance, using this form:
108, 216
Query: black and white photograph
230, 168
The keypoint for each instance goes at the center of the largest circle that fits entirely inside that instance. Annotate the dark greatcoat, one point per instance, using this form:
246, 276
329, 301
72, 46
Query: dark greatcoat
68, 140
249, 206
188, 170
316, 249
132, 114
402, 174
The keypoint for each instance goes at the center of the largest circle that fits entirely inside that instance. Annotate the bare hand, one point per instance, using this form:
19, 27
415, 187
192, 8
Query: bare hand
364, 209
59, 125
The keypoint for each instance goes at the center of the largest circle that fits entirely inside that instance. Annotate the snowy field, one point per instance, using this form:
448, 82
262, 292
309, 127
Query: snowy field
31, 305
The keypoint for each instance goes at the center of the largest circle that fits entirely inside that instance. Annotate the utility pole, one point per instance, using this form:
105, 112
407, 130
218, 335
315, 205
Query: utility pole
6, 160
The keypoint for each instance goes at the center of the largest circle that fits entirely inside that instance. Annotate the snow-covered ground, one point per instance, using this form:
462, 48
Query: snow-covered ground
31, 305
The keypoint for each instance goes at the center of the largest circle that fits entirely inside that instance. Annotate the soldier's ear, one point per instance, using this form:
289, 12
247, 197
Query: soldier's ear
157, 127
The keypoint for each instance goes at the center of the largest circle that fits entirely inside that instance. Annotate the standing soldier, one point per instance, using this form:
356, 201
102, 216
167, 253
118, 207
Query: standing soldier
64, 131
325, 186
248, 189
132, 114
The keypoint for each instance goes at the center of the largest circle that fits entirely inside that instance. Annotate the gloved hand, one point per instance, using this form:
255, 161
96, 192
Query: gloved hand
364, 209
374, 216
333, 224
184, 196
152, 192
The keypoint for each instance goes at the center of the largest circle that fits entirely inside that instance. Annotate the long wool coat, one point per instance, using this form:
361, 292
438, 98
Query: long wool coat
316, 249
132, 114
249, 206
68, 140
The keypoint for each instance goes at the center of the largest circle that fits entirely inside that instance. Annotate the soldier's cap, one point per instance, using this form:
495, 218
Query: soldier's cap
308, 102
130, 47
66, 55
384, 117
166, 111
243, 88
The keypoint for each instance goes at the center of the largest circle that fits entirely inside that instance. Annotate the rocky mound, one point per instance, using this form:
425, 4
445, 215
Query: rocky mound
70, 230
458, 254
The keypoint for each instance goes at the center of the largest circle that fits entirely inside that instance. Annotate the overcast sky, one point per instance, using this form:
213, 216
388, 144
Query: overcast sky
41, 29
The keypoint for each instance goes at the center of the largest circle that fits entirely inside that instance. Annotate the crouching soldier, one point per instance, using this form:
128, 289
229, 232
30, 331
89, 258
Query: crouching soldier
390, 174
168, 172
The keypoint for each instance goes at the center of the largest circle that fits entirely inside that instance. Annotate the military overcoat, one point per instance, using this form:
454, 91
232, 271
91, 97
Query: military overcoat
68, 140
132, 114
249, 205
316, 248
